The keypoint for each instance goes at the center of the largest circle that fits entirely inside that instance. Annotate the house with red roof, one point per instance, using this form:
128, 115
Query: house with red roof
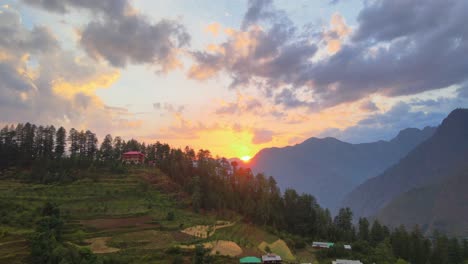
133, 157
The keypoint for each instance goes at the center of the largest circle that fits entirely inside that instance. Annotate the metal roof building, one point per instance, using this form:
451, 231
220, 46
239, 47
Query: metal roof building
271, 259
346, 261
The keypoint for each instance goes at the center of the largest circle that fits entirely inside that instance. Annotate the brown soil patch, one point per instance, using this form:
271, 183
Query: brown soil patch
226, 248
111, 223
99, 245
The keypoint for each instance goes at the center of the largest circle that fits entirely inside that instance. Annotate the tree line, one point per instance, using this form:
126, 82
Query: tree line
220, 185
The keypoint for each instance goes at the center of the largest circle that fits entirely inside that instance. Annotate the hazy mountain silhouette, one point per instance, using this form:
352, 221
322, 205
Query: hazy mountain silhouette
329, 168
432, 162
441, 206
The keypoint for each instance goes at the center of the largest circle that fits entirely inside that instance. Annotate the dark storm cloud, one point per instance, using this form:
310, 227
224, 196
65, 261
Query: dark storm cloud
398, 48
122, 36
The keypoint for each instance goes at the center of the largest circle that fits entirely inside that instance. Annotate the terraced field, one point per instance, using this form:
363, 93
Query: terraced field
123, 216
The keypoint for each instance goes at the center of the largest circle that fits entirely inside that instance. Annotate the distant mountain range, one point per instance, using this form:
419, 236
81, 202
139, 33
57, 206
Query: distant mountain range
441, 206
329, 169
427, 187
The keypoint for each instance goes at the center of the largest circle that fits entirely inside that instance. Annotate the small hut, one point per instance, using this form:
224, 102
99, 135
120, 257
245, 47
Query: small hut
271, 259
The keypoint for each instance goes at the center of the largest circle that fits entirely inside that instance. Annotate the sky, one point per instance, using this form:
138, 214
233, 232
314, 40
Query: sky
233, 76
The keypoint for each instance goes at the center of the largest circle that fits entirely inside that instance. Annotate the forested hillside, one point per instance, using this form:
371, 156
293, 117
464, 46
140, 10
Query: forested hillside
73, 201
329, 169
442, 206
430, 163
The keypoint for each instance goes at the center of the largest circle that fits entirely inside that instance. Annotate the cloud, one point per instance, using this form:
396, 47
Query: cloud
390, 19
242, 105
262, 136
42, 83
463, 91
289, 99
258, 10
168, 107
122, 36
213, 28
397, 48
255, 53
112, 8
132, 40
368, 106
386, 125
338, 31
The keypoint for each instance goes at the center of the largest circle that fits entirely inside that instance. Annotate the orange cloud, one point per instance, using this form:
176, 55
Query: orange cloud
202, 72
213, 28
337, 32
68, 89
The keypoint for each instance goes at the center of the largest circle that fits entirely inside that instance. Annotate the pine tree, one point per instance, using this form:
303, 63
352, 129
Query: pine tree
377, 233
118, 148
49, 142
74, 144
39, 142
60, 142
363, 232
90, 145
455, 255
106, 150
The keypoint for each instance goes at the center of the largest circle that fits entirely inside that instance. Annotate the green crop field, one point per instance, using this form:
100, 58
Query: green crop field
119, 215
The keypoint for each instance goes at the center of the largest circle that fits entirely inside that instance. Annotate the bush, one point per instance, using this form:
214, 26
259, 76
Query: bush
170, 216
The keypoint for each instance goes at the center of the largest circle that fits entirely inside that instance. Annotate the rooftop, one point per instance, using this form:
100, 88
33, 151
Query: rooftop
250, 260
270, 257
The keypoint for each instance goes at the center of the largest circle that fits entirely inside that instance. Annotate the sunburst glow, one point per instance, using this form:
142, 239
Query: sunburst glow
246, 158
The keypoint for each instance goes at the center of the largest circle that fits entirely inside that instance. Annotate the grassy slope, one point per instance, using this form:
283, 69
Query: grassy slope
131, 209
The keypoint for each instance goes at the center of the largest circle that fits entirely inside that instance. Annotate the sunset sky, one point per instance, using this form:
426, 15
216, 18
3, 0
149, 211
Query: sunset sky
233, 76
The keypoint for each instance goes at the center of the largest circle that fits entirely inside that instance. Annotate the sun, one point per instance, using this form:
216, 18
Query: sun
245, 158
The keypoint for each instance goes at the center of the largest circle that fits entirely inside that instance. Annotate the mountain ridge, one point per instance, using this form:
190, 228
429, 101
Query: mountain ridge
429, 163
328, 168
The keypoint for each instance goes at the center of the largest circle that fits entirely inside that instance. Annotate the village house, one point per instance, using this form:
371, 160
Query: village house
133, 157
271, 259
346, 261
322, 244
